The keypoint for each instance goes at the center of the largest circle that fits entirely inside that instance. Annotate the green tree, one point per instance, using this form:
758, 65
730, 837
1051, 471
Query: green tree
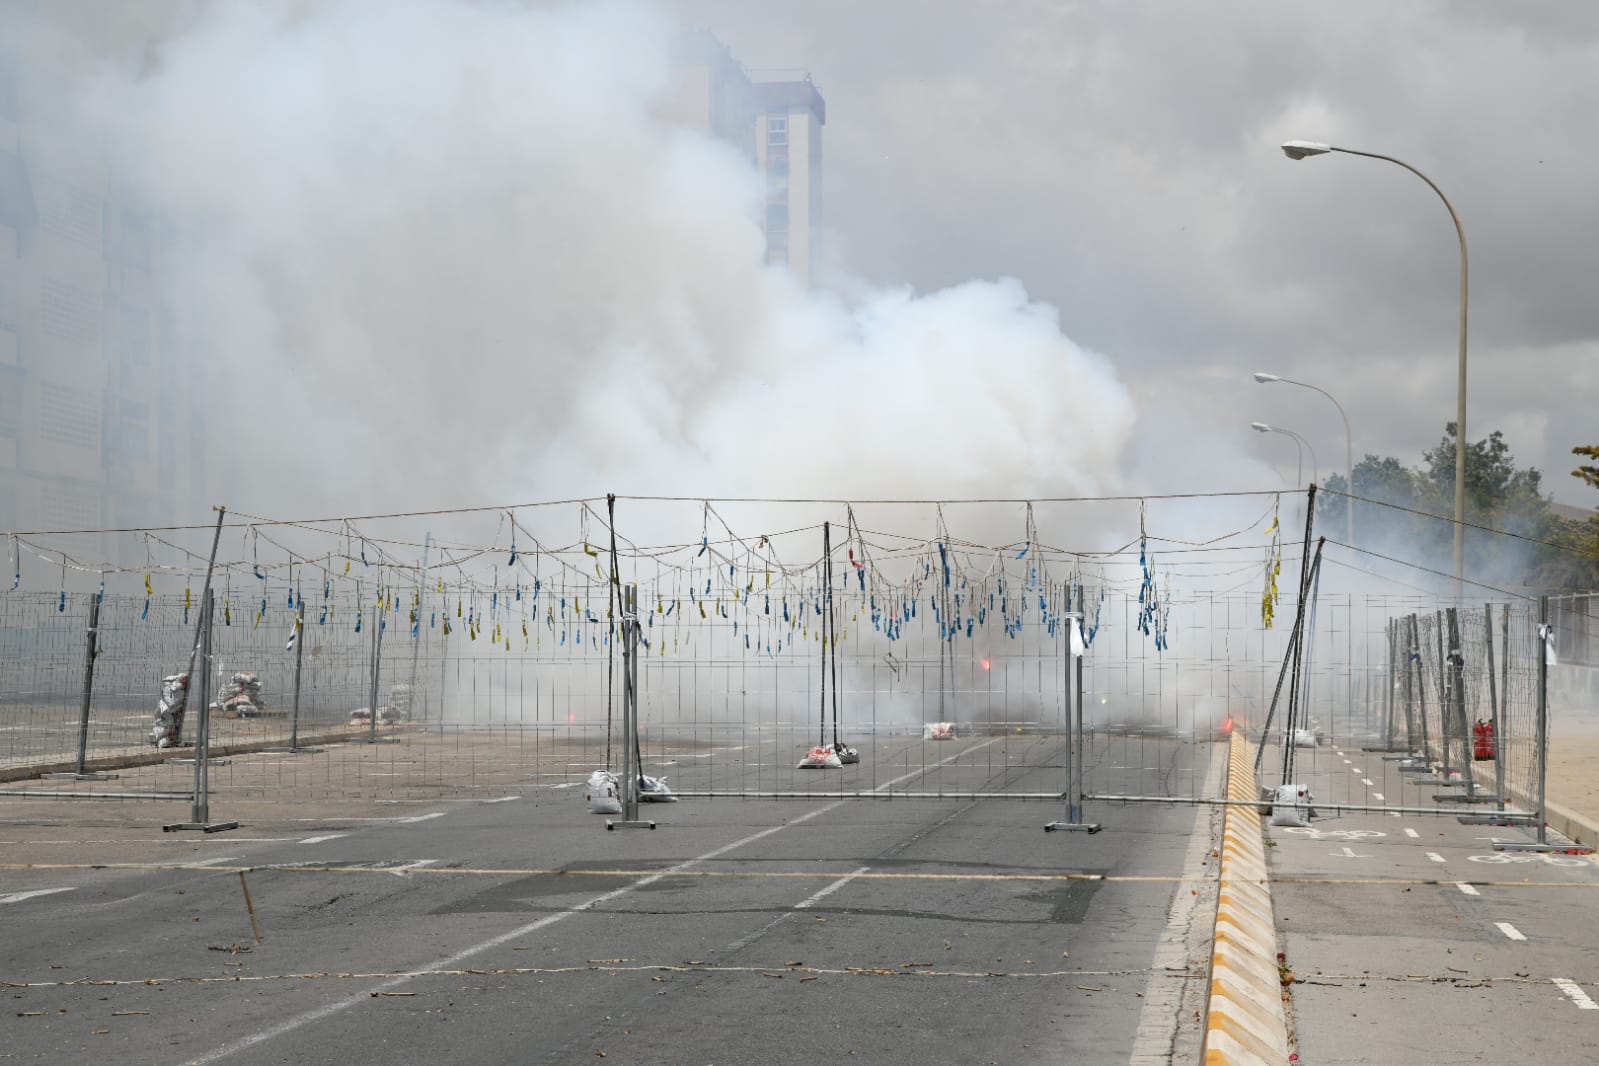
1499, 495
1575, 563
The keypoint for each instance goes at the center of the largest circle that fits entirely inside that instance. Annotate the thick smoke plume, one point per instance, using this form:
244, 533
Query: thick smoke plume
451, 255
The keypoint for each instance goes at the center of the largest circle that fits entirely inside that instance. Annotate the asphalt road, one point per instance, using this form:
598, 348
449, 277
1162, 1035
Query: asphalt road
518, 929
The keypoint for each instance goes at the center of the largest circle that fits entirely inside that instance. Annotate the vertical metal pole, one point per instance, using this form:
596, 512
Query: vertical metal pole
1388, 731
1542, 764
1418, 678
299, 657
416, 638
1493, 703
88, 683
1077, 748
1072, 787
202, 739
377, 659
630, 768
1504, 687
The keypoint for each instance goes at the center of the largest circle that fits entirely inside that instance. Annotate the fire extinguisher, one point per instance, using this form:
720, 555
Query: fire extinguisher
1483, 744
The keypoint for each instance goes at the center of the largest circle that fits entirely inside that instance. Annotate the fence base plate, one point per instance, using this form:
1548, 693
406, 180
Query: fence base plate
629, 825
79, 777
208, 827
1072, 827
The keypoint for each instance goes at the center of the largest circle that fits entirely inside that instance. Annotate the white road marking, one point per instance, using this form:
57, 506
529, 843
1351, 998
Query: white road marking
420, 818
1412, 834
1348, 763
1435, 857
1347, 853
299, 1021
183, 864
1469, 890
18, 897
830, 889
1509, 930
321, 839
502, 799
1574, 990
1379, 797
417, 865
1368, 782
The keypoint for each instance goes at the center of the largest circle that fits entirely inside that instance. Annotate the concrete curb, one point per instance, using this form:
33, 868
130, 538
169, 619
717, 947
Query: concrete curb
1244, 1020
153, 757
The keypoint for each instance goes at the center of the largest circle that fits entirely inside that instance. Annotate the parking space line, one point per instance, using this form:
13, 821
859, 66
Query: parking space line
1435, 857
1510, 931
322, 839
1412, 834
1469, 890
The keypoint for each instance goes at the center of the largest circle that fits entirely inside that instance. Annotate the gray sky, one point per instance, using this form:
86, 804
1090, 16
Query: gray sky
1121, 161
451, 249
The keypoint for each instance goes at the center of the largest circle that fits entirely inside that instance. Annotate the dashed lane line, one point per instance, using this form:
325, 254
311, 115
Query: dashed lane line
1510, 931
1575, 992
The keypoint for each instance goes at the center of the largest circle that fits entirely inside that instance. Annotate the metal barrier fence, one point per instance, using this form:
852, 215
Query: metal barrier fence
948, 666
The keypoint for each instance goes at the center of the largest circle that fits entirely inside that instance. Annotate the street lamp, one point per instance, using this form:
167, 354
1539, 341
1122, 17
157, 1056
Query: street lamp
1303, 149
1349, 446
1303, 444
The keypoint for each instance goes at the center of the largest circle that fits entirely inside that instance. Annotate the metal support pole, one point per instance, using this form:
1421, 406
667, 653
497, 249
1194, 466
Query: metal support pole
200, 814
1074, 739
631, 767
299, 659
378, 625
82, 773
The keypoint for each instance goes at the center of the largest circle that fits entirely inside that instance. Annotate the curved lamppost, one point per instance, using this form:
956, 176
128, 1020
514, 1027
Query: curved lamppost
1349, 445
1303, 444
1305, 149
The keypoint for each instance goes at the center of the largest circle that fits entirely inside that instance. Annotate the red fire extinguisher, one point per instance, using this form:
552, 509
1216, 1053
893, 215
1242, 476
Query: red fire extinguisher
1483, 744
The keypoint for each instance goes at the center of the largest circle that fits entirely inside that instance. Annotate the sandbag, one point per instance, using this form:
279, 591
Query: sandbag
168, 728
654, 790
602, 794
1291, 806
820, 758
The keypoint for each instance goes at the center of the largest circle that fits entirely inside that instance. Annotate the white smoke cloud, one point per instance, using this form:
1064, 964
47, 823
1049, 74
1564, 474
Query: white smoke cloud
442, 253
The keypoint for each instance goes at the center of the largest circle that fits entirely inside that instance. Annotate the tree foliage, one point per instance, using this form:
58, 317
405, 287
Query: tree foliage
1417, 523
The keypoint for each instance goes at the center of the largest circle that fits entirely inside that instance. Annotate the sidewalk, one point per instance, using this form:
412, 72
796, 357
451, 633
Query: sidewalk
1411, 939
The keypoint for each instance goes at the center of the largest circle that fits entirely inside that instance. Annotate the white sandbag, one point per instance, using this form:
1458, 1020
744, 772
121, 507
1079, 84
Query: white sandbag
602, 794
1304, 738
820, 758
654, 790
1291, 806
938, 731
846, 754
167, 731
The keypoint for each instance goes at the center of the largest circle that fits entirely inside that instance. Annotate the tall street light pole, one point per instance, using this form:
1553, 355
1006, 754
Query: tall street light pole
1301, 442
1304, 149
1349, 446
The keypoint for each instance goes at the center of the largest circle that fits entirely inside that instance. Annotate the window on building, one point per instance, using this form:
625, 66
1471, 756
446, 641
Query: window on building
776, 130
777, 220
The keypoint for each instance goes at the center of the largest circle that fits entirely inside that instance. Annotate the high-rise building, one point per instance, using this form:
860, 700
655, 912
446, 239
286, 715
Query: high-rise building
102, 421
775, 119
788, 146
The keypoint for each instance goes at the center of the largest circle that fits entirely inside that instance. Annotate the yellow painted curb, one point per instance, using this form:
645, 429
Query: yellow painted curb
1244, 1021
